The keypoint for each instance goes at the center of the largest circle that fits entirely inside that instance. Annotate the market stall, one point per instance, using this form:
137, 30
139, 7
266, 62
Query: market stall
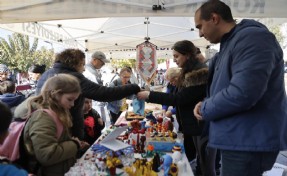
136, 147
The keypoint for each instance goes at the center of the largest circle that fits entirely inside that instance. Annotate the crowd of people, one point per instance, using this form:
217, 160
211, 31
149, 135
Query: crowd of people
231, 111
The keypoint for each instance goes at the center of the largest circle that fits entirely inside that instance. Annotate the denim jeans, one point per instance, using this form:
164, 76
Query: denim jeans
242, 163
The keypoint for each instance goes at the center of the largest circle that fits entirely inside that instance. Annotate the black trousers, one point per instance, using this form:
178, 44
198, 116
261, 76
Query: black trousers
189, 147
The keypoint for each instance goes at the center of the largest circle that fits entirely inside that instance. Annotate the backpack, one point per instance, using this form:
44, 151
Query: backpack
11, 147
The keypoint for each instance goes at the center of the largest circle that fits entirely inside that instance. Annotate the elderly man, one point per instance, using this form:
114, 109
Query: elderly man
92, 72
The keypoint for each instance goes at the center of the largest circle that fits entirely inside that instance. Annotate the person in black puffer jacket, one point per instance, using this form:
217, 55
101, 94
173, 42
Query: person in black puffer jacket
191, 85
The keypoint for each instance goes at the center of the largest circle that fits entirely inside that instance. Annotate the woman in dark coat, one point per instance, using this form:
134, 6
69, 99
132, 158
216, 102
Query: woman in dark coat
72, 61
191, 89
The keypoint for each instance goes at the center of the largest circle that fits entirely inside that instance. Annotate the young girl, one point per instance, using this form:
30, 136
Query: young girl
49, 153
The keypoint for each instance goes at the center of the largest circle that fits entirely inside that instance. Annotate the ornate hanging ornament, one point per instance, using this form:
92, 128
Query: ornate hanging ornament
146, 62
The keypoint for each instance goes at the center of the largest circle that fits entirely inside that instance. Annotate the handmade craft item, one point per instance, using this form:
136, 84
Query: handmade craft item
146, 62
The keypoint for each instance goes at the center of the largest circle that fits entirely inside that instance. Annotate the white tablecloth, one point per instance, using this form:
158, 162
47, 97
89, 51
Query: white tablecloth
86, 165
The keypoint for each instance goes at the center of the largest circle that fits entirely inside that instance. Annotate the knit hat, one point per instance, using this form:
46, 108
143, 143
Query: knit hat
3, 68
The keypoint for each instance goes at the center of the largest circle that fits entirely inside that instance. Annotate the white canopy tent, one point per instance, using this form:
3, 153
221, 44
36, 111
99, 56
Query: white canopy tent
44, 10
129, 22
113, 35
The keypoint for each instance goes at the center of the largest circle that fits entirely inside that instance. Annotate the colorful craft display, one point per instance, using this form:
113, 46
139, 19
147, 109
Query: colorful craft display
153, 139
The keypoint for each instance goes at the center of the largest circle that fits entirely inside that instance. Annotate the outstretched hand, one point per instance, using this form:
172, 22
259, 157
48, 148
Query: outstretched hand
84, 145
143, 95
81, 144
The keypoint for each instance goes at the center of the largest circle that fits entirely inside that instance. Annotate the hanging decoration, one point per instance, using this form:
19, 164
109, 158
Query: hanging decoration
146, 62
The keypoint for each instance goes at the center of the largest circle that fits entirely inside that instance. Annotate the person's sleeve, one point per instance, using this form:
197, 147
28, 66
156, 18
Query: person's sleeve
48, 150
165, 107
185, 97
12, 170
252, 63
97, 116
106, 94
47, 74
173, 110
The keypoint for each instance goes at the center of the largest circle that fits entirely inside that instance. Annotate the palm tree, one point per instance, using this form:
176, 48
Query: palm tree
17, 53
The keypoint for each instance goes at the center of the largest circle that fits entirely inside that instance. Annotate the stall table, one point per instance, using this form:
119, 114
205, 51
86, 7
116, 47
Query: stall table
86, 165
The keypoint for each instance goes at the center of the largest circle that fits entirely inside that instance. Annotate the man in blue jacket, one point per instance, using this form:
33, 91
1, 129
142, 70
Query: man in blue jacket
246, 99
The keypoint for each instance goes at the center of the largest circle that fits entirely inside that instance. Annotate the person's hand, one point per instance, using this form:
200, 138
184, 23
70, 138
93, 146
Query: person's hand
84, 145
168, 114
77, 141
143, 95
163, 112
157, 108
196, 111
100, 121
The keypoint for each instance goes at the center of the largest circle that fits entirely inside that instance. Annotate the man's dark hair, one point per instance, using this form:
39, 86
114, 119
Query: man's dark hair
6, 117
217, 7
37, 68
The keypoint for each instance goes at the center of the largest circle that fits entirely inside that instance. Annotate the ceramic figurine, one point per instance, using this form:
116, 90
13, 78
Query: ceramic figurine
173, 171
176, 156
167, 161
156, 162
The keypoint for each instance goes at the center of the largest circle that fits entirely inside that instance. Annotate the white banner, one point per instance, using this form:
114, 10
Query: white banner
38, 31
44, 10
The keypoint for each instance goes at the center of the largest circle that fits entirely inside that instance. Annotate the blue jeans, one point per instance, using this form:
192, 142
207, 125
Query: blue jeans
242, 163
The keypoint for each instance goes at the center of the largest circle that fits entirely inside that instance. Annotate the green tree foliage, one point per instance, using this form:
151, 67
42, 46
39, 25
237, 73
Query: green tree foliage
18, 53
276, 30
44, 56
120, 63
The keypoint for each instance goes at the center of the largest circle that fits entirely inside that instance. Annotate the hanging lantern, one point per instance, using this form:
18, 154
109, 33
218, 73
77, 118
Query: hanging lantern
146, 62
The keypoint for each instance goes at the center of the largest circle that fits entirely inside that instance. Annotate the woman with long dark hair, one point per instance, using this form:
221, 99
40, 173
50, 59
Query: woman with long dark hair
191, 86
